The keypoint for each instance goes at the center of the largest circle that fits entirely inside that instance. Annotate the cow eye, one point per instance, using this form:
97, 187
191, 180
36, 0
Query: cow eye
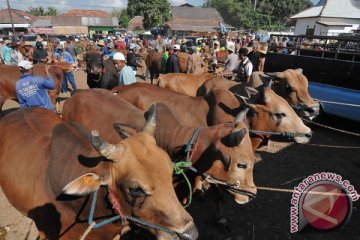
137, 192
289, 88
280, 115
242, 165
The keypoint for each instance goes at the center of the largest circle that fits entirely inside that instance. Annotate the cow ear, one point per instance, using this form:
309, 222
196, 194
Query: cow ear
84, 185
123, 130
251, 91
241, 116
269, 83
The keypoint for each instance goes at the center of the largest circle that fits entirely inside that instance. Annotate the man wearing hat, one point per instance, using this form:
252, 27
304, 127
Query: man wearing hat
31, 91
101, 45
110, 50
64, 56
245, 68
126, 74
130, 56
231, 61
172, 64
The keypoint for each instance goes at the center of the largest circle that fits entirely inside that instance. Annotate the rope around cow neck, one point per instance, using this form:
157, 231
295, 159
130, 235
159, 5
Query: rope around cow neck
94, 225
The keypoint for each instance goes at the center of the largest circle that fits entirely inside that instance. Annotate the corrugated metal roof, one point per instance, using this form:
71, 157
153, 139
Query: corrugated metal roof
332, 8
42, 23
66, 21
99, 21
196, 13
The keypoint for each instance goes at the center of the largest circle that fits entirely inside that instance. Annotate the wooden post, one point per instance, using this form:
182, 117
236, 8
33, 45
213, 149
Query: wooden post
11, 19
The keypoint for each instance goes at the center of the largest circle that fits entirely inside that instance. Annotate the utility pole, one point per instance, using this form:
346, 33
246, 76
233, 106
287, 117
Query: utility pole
11, 19
255, 2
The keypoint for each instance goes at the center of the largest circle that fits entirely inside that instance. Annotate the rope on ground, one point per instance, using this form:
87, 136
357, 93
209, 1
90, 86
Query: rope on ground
331, 128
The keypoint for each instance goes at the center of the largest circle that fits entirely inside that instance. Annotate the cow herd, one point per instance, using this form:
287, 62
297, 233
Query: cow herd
124, 143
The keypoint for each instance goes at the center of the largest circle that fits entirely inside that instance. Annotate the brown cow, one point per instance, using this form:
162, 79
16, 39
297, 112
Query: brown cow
223, 151
11, 74
183, 60
291, 85
44, 160
153, 63
267, 112
193, 109
183, 83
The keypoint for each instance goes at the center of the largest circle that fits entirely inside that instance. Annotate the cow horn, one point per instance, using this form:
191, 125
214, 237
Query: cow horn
276, 74
236, 137
150, 125
105, 149
241, 116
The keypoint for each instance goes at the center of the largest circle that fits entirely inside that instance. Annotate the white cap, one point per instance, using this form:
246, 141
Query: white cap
176, 47
25, 64
119, 56
76, 40
215, 37
231, 46
132, 46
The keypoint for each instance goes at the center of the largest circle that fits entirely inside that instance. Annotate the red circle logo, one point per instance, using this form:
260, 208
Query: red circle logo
325, 206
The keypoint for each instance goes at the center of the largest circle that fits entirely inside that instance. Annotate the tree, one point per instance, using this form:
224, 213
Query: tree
155, 12
264, 14
51, 11
122, 16
40, 11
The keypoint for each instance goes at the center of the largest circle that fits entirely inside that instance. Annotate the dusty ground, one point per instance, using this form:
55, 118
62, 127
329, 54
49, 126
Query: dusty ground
266, 217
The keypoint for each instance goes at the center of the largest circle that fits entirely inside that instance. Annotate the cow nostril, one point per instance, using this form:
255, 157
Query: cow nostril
308, 135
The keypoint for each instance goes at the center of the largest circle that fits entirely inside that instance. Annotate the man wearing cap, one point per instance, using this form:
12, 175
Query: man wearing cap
126, 74
31, 91
231, 61
65, 56
15, 54
194, 61
172, 64
40, 55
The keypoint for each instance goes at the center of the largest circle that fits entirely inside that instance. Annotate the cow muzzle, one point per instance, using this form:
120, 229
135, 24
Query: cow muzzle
309, 112
190, 233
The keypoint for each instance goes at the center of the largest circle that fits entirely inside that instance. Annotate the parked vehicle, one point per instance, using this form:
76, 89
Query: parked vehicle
332, 65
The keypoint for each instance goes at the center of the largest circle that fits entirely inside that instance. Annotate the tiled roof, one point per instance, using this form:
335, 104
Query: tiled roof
87, 13
17, 15
136, 23
332, 8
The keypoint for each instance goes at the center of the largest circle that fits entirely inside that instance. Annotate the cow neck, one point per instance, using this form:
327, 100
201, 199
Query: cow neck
174, 140
256, 138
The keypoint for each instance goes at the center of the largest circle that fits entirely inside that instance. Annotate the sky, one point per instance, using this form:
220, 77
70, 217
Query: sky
106, 5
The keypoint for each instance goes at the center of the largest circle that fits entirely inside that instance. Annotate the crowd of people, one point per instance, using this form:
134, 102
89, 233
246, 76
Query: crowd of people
243, 55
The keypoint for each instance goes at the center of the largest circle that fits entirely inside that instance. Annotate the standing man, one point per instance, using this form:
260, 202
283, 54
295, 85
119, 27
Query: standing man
245, 67
194, 61
40, 55
31, 91
6, 53
172, 64
126, 74
64, 56
231, 62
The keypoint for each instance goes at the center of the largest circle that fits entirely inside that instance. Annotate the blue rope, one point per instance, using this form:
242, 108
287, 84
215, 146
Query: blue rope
115, 218
189, 145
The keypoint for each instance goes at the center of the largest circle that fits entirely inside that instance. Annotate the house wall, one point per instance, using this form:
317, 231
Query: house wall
304, 23
67, 30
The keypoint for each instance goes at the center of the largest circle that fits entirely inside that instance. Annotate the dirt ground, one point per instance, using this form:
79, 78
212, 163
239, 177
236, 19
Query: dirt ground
284, 165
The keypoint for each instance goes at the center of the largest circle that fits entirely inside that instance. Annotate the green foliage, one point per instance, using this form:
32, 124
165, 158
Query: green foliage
155, 12
258, 14
40, 11
122, 16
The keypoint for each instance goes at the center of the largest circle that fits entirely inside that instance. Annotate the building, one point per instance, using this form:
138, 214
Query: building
189, 20
42, 25
329, 17
136, 23
90, 22
21, 20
